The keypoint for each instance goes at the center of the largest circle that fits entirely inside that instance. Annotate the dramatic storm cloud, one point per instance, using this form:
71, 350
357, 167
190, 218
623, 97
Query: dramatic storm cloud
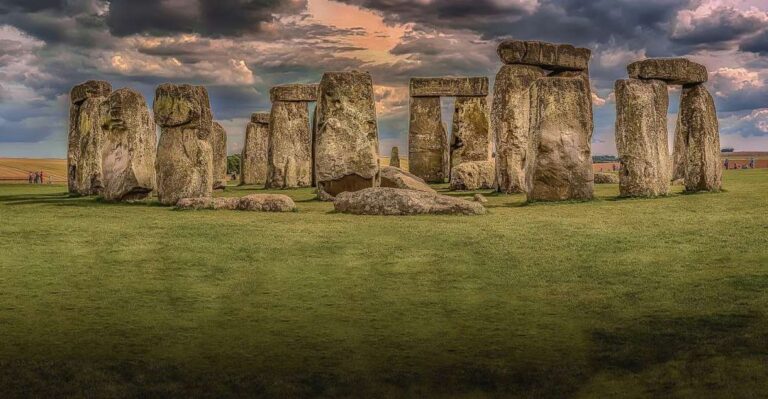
239, 48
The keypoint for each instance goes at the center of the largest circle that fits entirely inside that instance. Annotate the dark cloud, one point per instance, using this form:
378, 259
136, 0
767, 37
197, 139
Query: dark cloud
757, 44
724, 24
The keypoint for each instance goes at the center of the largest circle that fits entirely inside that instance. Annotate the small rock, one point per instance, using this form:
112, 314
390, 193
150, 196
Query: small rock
396, 201
480, 198
267, 203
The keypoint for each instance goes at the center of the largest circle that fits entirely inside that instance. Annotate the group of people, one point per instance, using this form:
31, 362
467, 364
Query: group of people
750, 165
38, 178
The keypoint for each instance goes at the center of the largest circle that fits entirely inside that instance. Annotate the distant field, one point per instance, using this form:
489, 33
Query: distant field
17, 169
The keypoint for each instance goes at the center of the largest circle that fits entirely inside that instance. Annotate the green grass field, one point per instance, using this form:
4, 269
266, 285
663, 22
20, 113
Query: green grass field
610, 298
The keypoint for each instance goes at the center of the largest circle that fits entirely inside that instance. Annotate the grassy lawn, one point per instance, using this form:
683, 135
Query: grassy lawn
611, 298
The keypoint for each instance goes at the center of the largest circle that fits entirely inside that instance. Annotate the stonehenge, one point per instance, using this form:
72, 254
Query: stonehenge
394, 157
88, 110
253, 158
429, 155
289, 157
698, 126
184, 163
129, 147
346, 134
219, 149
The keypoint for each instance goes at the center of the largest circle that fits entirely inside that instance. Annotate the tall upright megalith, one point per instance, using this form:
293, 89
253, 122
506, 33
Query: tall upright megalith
559, 162
394, 157
641, 137
290, 138
253, 159
346, 134
697, 124
88, 110
427, 140
219, 148
129, 148
470, 136
184, 163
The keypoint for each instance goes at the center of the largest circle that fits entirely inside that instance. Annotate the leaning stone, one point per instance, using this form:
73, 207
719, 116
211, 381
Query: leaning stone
346, 133
510, 118
267, 203
475, 175
394, 157
398, 178
546, 55
294, 92
184, 163
449, 87
606, 178
253, 159
641, 137
559, 161
427, 140
219, 147
289, 159
479, 198
129, 148
676, 71
395, 201
471, 140
697, 122
89, 89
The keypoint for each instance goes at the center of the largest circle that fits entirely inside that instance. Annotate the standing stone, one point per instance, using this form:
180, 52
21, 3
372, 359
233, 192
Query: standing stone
679, 155
184, 162
219, 147
253, 160
88, 111
394, 157
290, 146
697, 123
510, 118
641, 137
129, 147
427, 140
470, 140
559, 161
346, 141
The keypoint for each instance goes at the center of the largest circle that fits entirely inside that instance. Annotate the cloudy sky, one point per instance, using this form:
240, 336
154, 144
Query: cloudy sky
239, 48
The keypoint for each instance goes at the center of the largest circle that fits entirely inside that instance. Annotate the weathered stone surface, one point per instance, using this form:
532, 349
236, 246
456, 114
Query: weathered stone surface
129, 147
396, 201
398, 178
479, 198
677, 71
559, 162
253, 159
219, 148
253, 202
510, 118
449, 87
289, 159
184, 163
294, 92
87, 112
606, 178
471, 140
641, 137
679, 155
546, 55
475, 175
697, 123
394, 157
427, 140
346, 133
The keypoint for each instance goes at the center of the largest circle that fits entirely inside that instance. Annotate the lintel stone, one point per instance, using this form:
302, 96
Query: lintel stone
676, 71
449, 87
557, 57
294, 92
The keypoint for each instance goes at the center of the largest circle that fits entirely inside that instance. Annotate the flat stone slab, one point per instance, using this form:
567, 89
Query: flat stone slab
294, 92
558, 57
253, 202
397, 178
676, 71
449, 87
398, 201
260, 117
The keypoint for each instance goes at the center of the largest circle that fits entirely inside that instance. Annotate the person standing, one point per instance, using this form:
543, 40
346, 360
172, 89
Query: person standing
751, 163
725, 163
42, 179
31, 177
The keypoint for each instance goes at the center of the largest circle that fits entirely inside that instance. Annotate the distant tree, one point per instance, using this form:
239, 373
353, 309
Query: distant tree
233, 164
727, 149
604, 158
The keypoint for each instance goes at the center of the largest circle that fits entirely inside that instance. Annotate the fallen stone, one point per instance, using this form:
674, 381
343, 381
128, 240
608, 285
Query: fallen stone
397, 178
129, 148
253, 202
395, 201
427, 140
253, 159
676, 71
346, 133
559, 161
87, 112
394, 157
219, 147
546, 55
641, 137
475, 175
697, 122
606, 178
294, 92
510, 118
289, 159
471, 140
184, 163
449, 87
479, 198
